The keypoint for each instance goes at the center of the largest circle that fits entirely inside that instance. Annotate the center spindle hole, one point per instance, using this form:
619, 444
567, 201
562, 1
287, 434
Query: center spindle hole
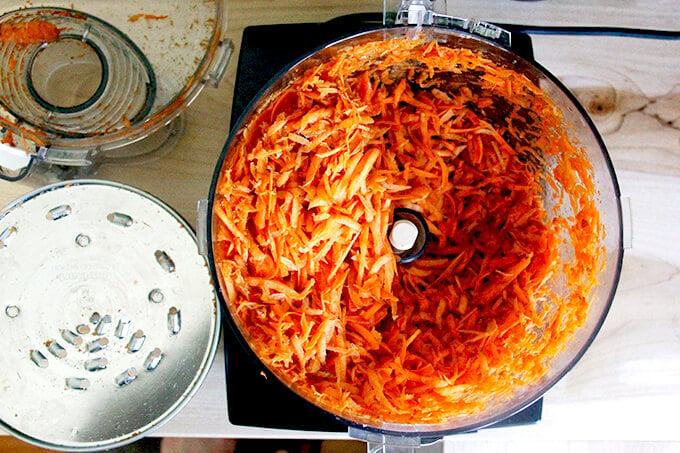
408, 235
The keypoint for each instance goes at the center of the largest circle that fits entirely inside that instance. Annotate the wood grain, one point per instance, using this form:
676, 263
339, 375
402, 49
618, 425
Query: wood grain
13, 445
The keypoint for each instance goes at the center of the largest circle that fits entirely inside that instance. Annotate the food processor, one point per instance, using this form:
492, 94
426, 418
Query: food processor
417, 19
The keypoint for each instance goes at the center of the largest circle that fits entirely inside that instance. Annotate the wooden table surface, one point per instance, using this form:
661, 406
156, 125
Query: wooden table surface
627, 385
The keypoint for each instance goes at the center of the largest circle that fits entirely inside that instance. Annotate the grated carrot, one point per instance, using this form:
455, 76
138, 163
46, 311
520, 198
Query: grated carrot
148, 17
302, 247
30, 32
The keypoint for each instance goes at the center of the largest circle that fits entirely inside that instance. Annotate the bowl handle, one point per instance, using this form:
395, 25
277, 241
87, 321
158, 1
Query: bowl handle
14, 160
202, 227
391, 443
224, 51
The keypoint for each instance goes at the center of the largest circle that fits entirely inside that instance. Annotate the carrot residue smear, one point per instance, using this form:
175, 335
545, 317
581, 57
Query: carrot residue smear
30, 32
136, 17
8, 139
302, 213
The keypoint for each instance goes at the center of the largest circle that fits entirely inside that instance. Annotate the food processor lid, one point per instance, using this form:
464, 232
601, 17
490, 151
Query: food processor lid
110, 321
111, 75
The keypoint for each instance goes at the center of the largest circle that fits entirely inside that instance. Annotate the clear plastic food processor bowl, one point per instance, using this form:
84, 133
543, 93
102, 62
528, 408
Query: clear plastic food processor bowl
115, 74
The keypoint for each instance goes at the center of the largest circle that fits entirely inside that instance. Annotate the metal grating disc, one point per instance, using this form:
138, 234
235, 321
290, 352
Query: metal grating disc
108, 315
